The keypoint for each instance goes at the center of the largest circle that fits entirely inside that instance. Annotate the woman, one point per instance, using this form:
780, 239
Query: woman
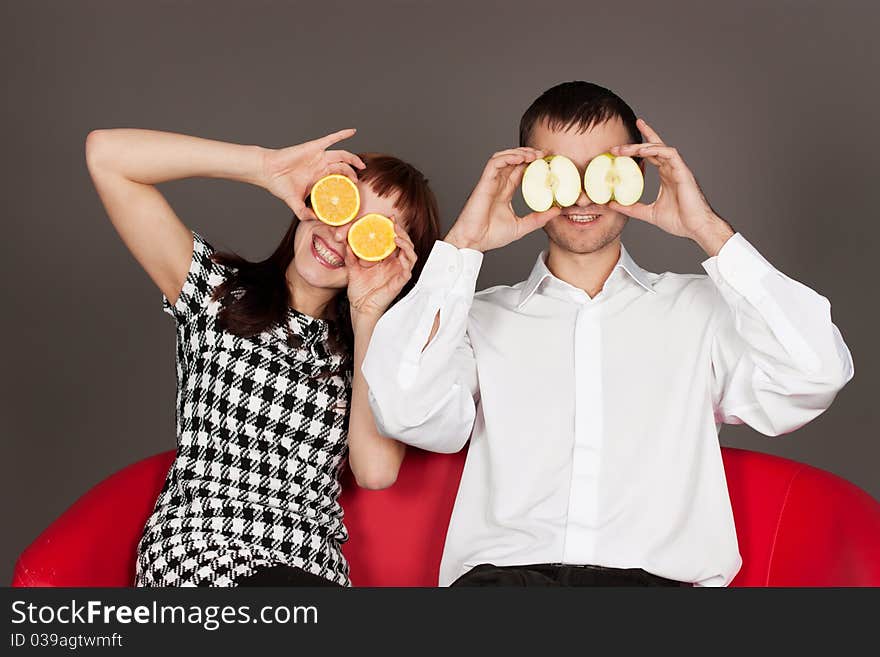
270, 396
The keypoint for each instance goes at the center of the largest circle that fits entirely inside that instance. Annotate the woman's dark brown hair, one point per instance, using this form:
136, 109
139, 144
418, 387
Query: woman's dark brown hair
255, 296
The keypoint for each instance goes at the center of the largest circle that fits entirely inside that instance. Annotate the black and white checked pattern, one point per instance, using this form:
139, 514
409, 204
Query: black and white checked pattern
261, 430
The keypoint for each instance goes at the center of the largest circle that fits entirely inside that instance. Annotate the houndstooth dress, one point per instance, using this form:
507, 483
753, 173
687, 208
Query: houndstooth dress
261, 433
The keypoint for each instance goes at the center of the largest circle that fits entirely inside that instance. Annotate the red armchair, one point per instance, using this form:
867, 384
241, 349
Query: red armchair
797, 526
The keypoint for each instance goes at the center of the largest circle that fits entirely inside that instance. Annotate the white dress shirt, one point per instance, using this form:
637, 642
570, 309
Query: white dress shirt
593, 422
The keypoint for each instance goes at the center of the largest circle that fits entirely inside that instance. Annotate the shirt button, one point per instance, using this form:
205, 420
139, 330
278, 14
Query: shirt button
451, 269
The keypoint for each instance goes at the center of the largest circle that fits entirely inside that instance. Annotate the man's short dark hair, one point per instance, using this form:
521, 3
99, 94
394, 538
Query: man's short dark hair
579, 105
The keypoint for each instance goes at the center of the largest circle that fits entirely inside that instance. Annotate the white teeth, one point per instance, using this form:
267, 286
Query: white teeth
326, 254
583, 218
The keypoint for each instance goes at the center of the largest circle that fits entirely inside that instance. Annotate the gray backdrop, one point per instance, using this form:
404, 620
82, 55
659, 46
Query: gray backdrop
773, 105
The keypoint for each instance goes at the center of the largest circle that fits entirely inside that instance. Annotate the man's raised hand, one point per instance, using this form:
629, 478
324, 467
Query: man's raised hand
488, 220
680, 207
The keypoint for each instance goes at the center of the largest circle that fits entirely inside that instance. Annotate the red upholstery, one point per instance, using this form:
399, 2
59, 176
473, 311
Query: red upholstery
797, 526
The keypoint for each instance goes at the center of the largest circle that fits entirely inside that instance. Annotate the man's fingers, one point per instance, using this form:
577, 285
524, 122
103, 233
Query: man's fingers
656, 154
522, 150
536, 220
504, 159
512, 181
515, 159
635, 150
512, 156
636, 210
648, 131
661, 151
508, 159
497, 165
516, 176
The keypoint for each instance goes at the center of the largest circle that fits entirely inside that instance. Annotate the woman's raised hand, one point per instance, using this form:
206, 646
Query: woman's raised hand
373, 286
289, 173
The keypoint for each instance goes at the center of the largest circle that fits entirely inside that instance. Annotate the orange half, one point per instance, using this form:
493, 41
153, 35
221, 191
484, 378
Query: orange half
372, 237
335, 199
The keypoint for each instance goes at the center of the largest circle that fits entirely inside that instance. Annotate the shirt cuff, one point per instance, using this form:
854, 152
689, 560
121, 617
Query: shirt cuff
739, 265
449, 267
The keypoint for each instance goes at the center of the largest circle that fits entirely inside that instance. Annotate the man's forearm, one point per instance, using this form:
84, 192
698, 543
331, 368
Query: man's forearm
459, 241
425, 396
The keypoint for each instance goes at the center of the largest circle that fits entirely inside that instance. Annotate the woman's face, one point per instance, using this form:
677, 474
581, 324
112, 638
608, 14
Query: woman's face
319, 249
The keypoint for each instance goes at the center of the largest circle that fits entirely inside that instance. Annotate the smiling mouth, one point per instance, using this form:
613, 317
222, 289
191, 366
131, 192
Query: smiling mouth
325, 255
582, 218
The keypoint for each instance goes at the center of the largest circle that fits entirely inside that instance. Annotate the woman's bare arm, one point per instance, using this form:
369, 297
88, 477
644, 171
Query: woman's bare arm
374, 459
127, 164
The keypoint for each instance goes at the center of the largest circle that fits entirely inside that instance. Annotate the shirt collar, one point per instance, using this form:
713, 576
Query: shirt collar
540, 273
638, 274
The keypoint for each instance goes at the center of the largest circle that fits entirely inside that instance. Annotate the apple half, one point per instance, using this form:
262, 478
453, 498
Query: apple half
619, 178
553, 179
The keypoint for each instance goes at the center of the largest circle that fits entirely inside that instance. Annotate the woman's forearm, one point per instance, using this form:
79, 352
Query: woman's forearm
151, 157
375, 459
126, 164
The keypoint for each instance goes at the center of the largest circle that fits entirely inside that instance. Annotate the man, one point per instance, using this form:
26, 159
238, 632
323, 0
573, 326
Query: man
593, 391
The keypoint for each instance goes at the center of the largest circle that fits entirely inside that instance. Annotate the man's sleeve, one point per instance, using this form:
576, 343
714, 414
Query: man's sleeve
426, 396
778, 361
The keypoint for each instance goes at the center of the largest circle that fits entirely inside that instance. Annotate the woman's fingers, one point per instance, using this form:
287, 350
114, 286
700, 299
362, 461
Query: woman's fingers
351, 260
344, 156
407, 254
301, 210
406, 249
341, 168
400, 229
327, 141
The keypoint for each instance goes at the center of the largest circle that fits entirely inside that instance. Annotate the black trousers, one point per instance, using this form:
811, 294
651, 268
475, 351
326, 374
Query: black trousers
548, 574
282, 575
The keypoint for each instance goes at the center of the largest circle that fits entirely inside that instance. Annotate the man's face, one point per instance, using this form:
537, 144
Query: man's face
572, 231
